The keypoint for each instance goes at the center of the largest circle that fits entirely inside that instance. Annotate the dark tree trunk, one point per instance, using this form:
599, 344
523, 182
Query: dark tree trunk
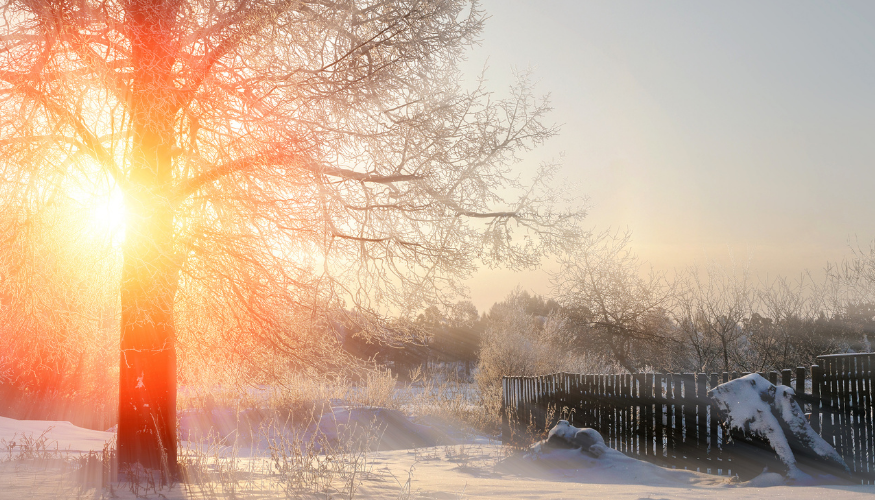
147, 375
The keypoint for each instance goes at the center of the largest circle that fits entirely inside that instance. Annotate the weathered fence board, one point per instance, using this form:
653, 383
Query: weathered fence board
668, 418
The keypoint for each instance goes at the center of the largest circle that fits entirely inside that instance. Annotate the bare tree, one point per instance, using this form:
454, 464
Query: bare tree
711, 311
601, 287
281, 155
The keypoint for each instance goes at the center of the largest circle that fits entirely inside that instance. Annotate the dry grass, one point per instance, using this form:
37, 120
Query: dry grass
275, 449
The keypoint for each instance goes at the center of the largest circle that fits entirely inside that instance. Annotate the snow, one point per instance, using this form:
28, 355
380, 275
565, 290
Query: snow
478, 468
59, 436
565, 435
753, 405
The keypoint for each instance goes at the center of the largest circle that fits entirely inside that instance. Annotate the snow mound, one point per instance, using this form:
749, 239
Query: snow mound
754, 406
382, 428
58, 435
564, 436
580, 454
373, 428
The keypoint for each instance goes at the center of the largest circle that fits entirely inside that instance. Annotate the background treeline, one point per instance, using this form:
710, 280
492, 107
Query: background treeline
608, 312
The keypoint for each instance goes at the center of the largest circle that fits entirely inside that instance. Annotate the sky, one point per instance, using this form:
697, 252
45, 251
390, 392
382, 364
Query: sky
735, 132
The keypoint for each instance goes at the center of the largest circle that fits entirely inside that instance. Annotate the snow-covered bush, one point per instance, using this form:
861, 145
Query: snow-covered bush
518, 343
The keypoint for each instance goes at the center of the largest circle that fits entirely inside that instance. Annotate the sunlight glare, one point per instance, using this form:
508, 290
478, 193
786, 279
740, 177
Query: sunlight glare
108, 214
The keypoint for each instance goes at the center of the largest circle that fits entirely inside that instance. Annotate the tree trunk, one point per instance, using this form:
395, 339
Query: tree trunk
147, 375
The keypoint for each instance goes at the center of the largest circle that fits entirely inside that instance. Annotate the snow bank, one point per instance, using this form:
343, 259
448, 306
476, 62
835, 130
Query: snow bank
374, 427
754, 406
564, 436
58, 436
580, 455
383, 428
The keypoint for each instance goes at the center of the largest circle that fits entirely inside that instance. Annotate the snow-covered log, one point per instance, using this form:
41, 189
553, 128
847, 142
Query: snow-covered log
565, 435
755, 407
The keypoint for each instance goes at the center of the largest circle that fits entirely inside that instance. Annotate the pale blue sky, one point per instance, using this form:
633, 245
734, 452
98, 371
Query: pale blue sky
710, 129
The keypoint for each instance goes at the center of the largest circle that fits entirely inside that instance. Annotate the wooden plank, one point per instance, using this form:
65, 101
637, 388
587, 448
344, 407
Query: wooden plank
649, 412
844, 398
800, 383
866, 415
712, 415
533, 402
816, 395
689, 409
600, 409
612, 413
628, 429
632, 411
527, 398
701, 410
632, 428
589, 385
658, 414
855, 365
636, 407
586, 401
674, 426
646, 415
612, 409
505, 431
575, 397
859, 419
828, 407
621, 411
513, 416
853, 412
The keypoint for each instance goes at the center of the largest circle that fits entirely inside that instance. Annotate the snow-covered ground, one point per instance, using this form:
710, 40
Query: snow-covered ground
479, 468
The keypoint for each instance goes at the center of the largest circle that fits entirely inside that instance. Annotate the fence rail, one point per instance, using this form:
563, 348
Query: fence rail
668, 418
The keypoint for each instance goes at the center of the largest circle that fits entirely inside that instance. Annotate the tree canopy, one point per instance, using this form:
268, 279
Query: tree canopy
275, 158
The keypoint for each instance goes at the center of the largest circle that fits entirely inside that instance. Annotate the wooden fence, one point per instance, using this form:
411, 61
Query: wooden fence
668, 418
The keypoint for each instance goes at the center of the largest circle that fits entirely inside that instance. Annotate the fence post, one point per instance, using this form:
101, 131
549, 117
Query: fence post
701, 420
800, 381
649, 413
856, 413
658, 384
786, 377
712, 414
689, 408
505, 432
868, 422
838, 403
818, 402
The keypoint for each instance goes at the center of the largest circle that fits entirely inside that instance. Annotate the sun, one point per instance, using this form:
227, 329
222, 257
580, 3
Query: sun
108, 214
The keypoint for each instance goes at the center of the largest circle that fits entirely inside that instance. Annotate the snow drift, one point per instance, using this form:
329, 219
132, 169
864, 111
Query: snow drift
755, 407
579, 454
564, 436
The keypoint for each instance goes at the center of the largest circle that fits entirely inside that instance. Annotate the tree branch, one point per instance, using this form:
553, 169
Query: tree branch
91, 142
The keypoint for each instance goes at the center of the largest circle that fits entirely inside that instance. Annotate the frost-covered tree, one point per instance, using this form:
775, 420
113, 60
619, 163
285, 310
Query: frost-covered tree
602, 289
273, 156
